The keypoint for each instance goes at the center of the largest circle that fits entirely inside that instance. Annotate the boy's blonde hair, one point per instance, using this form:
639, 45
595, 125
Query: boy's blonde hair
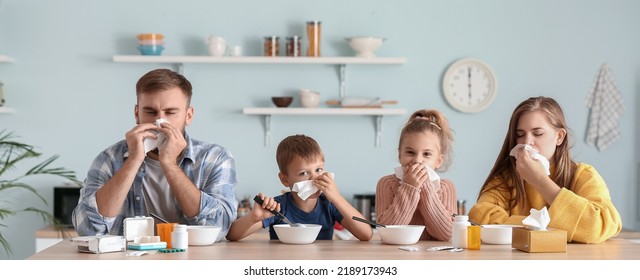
297, 146
434, 121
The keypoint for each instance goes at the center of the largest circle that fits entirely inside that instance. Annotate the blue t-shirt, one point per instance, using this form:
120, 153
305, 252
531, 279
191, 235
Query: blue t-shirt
324, 214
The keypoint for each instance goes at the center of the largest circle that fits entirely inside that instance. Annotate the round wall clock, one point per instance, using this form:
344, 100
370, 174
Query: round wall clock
469, 85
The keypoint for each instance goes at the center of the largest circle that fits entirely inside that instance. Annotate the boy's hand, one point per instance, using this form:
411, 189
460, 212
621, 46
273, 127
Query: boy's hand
261, 212
415, 174
327, 185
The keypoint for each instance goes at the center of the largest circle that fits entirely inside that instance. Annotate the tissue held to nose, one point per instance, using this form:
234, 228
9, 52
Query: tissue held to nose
433, 176
534, 154
306, 188
150, 143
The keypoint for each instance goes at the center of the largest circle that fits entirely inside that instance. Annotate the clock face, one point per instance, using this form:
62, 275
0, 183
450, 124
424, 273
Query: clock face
469, 85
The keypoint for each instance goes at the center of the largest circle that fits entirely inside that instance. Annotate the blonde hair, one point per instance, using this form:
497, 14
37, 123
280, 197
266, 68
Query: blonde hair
505, 166
298, 145
434, 121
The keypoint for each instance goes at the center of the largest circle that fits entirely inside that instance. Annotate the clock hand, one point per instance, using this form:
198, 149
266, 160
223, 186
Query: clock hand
469, 84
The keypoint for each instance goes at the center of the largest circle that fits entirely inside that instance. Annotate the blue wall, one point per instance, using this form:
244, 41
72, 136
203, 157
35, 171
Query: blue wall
72, 100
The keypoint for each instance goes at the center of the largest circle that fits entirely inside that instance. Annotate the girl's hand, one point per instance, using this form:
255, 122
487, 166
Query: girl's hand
261, 212
415, 175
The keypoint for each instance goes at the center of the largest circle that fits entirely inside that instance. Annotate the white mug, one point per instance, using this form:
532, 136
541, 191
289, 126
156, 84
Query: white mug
234, 51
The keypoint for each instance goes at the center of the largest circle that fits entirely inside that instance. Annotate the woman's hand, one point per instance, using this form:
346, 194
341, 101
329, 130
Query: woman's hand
529, 169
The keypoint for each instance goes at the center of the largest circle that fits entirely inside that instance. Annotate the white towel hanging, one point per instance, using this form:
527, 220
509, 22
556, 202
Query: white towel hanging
606, 108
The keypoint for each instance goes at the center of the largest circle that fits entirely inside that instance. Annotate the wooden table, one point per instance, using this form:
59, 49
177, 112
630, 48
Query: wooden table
264, 249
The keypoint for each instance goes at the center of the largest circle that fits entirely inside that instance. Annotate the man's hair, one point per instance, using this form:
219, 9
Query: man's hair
297, 146
163, 79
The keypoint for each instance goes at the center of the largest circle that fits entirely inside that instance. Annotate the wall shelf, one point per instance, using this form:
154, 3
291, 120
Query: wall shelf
378, 113
341, 61
7, 110
6, 59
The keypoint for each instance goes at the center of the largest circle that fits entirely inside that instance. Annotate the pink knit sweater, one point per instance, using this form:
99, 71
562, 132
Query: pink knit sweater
398, 203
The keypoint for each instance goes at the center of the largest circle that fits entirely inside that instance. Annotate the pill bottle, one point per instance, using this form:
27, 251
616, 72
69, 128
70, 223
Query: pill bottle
459, 236
473, 237
180, 237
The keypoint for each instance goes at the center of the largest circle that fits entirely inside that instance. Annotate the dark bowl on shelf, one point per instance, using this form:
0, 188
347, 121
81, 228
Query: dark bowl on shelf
282, 101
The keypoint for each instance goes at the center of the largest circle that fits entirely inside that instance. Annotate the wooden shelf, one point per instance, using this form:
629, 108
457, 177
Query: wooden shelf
378, 113
5, 59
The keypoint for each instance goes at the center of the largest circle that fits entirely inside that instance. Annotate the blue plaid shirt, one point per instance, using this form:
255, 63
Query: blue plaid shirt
210, 167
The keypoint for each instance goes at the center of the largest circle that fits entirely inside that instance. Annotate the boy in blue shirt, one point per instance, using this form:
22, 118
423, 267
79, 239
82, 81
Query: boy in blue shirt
314, 199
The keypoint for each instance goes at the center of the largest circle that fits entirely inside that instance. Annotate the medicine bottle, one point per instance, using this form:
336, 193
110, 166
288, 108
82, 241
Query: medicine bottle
459, 236
180, 237
473, 237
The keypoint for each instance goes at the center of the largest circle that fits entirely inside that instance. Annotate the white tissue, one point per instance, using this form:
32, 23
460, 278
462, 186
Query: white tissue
433, 176
534, 154
150, 143
306, 188
537, 219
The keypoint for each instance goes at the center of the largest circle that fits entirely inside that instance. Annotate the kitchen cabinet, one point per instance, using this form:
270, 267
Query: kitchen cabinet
5, 110
340, 62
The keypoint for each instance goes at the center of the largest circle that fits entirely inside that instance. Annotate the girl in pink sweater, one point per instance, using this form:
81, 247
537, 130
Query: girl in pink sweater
415, 195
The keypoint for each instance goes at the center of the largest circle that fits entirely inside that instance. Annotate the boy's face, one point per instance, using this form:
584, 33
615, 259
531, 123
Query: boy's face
300, 169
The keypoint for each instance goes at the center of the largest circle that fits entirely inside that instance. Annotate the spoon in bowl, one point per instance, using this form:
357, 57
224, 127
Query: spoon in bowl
274, 212
367, 222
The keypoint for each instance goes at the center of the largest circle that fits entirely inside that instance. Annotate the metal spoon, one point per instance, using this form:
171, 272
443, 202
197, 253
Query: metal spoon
158, 217
367, 222
274, 212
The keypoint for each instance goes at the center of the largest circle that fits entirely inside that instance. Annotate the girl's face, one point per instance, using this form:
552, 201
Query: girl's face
534, 129
420, 147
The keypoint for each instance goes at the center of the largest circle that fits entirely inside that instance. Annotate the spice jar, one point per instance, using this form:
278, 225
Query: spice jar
293, 46
271, 46
313, 34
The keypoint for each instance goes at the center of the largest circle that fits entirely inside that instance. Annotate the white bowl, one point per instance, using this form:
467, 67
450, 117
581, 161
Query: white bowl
496, 234
400, 234
309, 99
365, 46
297, 235
203, 235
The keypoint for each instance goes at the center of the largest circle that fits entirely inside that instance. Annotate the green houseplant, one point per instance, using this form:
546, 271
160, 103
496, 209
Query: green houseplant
12, 153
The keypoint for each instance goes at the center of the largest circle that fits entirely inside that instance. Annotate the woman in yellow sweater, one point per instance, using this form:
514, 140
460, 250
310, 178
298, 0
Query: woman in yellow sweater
415, 195
574, 193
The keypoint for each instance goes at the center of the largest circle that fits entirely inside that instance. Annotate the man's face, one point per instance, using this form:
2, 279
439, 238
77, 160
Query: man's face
168, 104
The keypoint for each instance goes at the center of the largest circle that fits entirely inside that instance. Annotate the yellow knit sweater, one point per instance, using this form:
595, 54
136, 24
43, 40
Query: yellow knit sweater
585, 212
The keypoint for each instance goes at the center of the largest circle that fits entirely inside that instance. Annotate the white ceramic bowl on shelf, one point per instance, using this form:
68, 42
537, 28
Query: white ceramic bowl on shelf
400, 234
365, 46
297, 235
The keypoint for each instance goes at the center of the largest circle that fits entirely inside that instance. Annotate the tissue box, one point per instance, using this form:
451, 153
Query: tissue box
539, 241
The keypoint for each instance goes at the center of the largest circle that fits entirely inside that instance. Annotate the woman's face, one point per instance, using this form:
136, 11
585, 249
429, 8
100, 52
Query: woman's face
420, 147
534, 129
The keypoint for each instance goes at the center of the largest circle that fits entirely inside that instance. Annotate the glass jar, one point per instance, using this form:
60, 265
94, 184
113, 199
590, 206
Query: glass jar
313, 34
271, 45
293, 46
